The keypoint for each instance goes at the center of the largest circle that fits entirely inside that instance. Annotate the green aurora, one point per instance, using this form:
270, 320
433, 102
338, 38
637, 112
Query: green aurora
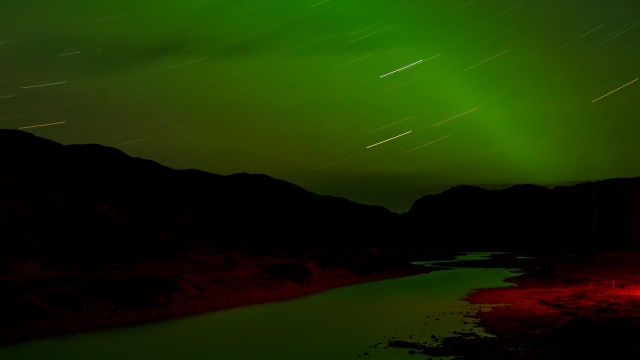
490, 92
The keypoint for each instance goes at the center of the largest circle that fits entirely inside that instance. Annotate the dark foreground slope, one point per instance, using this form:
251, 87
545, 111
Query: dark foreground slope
589, 217
92, 238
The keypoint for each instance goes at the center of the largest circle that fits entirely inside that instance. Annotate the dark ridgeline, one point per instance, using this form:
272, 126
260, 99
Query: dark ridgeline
89, 203
588, 217
95, 204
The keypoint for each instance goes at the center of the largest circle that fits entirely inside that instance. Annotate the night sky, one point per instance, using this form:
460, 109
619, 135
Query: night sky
377, 101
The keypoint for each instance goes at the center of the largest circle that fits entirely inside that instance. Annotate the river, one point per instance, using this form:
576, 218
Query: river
340, 323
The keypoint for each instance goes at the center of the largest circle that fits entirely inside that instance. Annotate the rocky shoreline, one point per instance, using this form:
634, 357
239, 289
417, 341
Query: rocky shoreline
583, 307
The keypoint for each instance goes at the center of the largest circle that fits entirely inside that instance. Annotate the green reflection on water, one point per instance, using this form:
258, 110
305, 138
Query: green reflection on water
336, 324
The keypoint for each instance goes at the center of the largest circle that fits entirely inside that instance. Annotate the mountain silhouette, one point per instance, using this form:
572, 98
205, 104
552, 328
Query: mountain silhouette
91, 203
587, 217
94, 204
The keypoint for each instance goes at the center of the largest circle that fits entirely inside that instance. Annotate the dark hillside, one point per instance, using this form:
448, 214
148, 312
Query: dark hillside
88, 203
592, 217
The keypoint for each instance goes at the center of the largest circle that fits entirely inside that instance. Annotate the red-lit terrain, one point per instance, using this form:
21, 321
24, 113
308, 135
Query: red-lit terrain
562, 308
37, 302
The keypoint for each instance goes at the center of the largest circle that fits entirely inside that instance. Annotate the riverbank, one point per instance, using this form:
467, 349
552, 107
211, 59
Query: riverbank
562, 308
38, 303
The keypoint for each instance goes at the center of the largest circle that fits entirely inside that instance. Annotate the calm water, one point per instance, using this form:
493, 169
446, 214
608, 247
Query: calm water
336, 324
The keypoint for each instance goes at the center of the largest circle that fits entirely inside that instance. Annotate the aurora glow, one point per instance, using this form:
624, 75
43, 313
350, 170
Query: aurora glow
514, 91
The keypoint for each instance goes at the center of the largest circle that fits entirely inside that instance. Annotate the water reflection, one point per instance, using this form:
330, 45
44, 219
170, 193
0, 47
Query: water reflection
336, 324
